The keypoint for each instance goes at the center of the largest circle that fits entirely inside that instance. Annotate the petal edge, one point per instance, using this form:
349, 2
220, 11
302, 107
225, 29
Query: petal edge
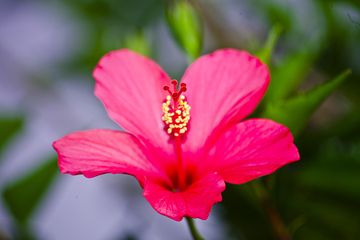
130, 86
95, 152
223, 88
252, 149
194, 202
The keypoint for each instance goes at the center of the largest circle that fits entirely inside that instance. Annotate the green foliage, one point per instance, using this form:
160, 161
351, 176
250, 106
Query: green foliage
138, 43
295, 112
287, 75
318, 199
185, 27
265, 53
326, 192
108, 23
8, 128
242, 211
128, 14
275, 13
24, 194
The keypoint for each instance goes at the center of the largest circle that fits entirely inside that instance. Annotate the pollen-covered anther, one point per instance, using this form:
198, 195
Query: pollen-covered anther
176, 111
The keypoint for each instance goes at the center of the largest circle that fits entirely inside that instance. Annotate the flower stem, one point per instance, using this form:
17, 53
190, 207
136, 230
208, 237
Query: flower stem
194, 232
277, 223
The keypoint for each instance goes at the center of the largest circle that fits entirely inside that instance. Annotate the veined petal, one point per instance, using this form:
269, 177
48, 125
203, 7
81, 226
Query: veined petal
223, 88
96, 152
195, 202
252, 149
131, 88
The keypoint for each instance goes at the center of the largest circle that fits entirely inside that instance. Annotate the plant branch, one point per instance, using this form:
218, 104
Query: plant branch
194, 232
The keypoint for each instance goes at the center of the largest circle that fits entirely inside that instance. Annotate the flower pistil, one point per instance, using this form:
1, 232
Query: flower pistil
176, 110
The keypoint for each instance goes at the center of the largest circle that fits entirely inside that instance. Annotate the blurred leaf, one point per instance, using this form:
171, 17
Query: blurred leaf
287, 76
122, 13
355, 3
107, 23
23, 195
275, 13
8, 128
242, 212
334, 220
327, 191
185, 27
295, 112
346, 182
347, 127
334, 157
138, 43
265, 53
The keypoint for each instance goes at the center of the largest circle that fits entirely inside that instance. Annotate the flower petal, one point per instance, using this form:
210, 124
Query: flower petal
131, 88
195, 202
252, 149
223, 88
96, 152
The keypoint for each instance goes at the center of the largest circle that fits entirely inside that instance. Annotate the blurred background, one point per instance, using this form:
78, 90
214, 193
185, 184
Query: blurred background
48, 50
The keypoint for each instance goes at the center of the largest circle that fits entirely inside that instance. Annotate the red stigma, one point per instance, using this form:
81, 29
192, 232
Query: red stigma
175, 93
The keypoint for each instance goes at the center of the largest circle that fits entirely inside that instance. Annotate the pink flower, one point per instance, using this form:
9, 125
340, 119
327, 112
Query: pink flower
182, 144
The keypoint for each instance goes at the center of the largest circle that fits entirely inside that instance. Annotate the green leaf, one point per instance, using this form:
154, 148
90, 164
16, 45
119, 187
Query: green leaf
265, 53
108, 22
185, 27
321, 178
334, 156
125, 14
275, 12
8, 128
335, 219
240, 200
295, 112
138, 43
24, 194
327, 190
321, 192
287, 76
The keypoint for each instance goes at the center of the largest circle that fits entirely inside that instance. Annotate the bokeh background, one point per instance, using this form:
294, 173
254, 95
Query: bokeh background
48, 50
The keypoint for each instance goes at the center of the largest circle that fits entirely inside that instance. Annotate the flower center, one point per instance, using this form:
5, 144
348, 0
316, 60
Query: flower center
176, 110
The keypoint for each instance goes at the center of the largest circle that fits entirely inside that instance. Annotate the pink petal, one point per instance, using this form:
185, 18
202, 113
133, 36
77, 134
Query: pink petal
131, 88
223, 88
252, 149
96, 152
195, 202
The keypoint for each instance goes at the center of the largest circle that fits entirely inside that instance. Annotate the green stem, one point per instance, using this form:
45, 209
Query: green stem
194, 232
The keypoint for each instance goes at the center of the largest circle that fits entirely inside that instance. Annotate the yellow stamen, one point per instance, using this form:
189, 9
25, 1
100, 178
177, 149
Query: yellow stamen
178, 113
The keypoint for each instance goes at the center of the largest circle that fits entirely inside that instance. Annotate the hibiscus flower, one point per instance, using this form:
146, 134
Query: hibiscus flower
182, 143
